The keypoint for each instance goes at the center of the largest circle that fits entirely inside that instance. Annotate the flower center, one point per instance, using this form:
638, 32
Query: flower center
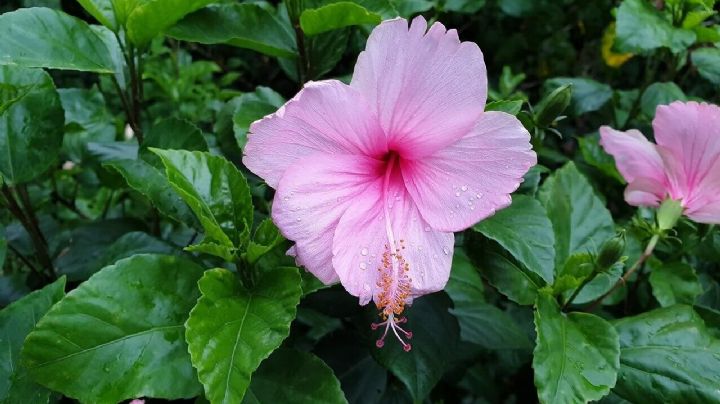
393, 282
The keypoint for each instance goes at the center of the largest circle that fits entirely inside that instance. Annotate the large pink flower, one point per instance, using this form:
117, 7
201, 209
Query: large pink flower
684, 165
373, 178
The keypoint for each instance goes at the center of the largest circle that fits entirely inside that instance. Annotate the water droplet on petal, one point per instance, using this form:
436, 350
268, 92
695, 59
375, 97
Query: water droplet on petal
364, 251
464, 188
478, 196
427, 228
457, 193
446, 251
363, 266
287, 198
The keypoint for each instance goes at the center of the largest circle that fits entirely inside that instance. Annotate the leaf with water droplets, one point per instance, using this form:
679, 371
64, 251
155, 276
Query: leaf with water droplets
668, 355
119, 335
233, 328
576, 357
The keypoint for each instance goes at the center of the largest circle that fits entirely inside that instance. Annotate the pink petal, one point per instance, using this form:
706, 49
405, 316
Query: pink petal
310, 199
427, 89
639, 162
690, 134
361, 238
325, 116
709, 213
471, 179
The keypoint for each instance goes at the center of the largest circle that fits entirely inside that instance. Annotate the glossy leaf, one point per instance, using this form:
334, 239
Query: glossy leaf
119, 335
16, 321
505, 273
576, 356
250, 107
512, 107
233, 328
42, 37
587, 95
243, 25
31, 123
216, 192
668, 355
334, 16
707, 61
87, 119
674, 283
579, 218
525, 231
152, 184
150, 18
660, 94
435, 339
303, 376
102, 10
171, 134
641, 27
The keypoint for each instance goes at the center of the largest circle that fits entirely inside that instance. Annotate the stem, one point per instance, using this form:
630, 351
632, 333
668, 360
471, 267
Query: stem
30, 223
23, 259
56, 197
136, 100
579, 289
638, 264
303, 62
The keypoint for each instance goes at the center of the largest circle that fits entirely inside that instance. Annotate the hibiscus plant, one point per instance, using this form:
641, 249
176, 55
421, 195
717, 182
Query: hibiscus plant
362, 201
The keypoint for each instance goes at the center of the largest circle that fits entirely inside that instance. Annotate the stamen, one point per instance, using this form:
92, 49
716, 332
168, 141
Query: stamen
394, 285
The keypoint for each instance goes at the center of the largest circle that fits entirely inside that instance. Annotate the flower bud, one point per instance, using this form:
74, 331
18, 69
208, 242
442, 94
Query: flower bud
611, 252
553, 105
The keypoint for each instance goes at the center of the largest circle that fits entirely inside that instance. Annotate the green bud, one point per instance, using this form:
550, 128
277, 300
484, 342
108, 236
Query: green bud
553, 105
611, 252
668, 214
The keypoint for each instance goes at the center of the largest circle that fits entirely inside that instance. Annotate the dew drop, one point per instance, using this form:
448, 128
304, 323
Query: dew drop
397, 198
427, 228
457, 193
446, 251
287, 198
298, 220
464, 188
364, 251
479, 196
363, 266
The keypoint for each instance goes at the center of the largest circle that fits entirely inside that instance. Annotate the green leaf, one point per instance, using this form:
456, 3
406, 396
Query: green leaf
152, 184
597, 157
87, 243
408, 8
150, 18
215, 190
334, 16
266, 237
31, 123
250, 107
87, 119
525, 231
464, 6
243, 25
303, 376
668, 355
674, 283
641, 27
171, 134
505, 273
233, 328
579, 218
512, 107
102, 10
435, 340
119, 335
707, 61
42, 37
134, 243
16, 321
465, 286
3, 249
660, 94
577, 356
587, 95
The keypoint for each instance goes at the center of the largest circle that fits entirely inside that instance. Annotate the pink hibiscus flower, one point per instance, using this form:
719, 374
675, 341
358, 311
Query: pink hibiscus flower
684, 165
373, 178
